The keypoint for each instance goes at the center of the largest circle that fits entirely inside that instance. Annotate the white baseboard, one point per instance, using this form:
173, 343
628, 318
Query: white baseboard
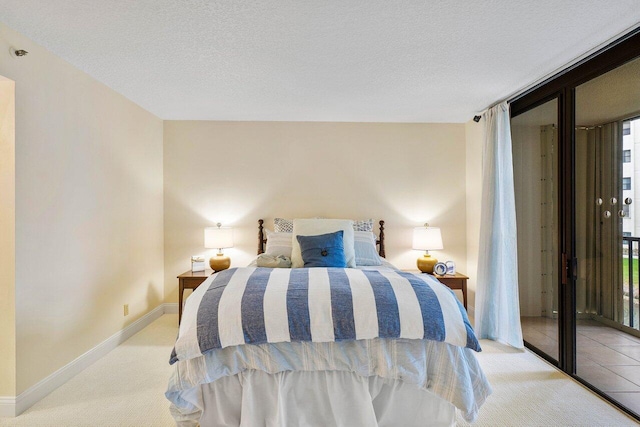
7, 407
12, 407
170, 308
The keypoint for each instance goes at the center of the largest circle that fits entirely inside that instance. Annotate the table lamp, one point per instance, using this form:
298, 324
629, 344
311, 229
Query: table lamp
427, 239
218, 238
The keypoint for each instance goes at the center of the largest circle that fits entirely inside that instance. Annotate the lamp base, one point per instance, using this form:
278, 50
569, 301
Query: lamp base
219, 262
425, 263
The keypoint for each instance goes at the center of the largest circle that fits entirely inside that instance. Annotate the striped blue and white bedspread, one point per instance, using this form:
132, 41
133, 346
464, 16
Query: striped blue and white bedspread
262, 305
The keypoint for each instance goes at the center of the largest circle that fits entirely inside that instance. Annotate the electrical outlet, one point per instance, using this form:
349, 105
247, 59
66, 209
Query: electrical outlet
126, 309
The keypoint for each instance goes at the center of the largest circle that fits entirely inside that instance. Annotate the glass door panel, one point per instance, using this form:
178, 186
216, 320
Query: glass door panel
535, 167
607, 218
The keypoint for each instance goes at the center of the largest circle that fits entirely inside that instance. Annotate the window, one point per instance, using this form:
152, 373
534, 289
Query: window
627, 212
626, 156
626, 234
626, 183
626, 128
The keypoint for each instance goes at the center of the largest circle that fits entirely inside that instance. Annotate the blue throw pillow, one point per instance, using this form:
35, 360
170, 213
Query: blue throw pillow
324, 250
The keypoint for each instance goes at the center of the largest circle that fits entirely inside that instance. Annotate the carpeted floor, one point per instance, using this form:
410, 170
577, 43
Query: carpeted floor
126, 388
527, 391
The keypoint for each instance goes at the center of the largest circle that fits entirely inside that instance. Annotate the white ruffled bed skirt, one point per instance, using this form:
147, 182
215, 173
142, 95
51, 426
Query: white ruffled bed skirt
316, 398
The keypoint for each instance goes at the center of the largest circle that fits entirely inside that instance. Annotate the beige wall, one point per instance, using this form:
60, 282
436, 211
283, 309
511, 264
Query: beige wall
474, 141
238, 172
7, 238
89, 233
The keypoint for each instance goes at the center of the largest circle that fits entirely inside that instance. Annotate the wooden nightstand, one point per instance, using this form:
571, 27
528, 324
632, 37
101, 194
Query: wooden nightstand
455, 281
190, 280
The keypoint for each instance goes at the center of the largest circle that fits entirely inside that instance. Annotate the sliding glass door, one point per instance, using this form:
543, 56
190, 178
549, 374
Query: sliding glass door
535, 169
606, 176
576, 150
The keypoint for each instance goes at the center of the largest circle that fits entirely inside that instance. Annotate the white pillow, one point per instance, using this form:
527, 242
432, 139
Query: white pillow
365, 248
315, 227
278, 244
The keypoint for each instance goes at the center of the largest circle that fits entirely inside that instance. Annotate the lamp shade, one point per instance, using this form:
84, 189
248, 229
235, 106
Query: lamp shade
427, 238
218, 237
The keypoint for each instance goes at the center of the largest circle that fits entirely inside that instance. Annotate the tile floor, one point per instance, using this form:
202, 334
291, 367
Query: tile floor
607, 358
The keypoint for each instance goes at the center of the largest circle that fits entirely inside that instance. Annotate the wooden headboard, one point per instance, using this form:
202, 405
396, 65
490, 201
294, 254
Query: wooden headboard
262, 240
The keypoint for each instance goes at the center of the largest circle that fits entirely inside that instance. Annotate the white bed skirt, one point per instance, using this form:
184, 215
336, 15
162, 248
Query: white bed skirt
318, 398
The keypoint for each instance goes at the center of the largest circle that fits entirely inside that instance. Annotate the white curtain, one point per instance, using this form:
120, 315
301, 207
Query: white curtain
497, 311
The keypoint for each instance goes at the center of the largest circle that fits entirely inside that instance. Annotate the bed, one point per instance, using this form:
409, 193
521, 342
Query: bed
359, 345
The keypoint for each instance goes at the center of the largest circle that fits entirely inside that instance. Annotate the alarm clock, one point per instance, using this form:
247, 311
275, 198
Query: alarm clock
440, 268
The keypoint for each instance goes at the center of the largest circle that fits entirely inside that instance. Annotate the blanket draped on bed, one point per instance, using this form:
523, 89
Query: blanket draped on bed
262, 305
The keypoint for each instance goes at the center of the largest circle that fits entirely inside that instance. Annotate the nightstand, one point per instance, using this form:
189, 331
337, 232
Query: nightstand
456, 282
190, 280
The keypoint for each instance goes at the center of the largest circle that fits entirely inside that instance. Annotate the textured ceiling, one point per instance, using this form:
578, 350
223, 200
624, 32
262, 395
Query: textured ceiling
347, 60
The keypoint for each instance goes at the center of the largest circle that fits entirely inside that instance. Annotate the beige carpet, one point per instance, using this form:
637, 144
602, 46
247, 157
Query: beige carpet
126, 388
527, 391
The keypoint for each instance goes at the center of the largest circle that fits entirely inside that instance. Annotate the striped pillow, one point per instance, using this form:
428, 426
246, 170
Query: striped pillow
279, 244
364, 243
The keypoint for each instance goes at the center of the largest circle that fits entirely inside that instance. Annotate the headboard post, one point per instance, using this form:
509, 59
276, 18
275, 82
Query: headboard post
261, 239
381, 241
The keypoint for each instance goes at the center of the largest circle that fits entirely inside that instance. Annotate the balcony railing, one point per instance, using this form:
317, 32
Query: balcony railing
630, 292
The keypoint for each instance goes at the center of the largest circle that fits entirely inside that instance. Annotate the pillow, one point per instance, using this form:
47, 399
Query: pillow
324, 250
279, 244
271, 261
314, 227
281, 225
363, 225
364, 243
